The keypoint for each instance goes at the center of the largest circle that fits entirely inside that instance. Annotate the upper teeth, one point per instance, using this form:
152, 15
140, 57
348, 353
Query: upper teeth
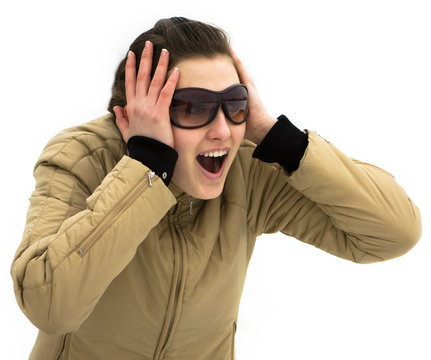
215, 153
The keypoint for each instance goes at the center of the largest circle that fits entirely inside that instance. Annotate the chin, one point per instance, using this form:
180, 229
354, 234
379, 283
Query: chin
199, 185
208, 194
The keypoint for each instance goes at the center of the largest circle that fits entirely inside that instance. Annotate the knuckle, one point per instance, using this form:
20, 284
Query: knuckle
165, 92
129, 66
156, 82
142, 111
142, 74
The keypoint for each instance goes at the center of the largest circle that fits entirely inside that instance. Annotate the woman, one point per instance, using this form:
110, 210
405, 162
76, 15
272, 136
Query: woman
143, 221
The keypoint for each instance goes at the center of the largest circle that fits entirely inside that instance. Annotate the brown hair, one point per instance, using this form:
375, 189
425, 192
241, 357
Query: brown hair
183, 38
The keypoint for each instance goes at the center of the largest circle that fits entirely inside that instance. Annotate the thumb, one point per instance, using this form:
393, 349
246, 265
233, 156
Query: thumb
122, 121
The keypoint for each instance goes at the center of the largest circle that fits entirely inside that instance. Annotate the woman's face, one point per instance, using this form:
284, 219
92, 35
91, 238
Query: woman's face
193, 171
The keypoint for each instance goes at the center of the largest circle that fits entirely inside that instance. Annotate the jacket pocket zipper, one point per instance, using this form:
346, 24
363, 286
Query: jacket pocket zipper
117, 210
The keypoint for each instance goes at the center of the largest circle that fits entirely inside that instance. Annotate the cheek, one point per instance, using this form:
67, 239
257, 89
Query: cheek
180, 141
185, 143
238, 132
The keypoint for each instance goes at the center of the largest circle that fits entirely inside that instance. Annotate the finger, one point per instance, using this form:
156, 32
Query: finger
144, 73
122, 121
159, 77
130, 77
240, 68
168, 90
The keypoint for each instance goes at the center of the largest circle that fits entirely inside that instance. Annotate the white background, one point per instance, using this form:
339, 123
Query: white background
357, 72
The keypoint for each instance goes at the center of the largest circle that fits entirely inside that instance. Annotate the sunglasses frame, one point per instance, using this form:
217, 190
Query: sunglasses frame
214, 110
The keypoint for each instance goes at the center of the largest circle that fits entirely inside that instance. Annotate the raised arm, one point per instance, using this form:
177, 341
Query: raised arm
88, 214
348, 208
307, 188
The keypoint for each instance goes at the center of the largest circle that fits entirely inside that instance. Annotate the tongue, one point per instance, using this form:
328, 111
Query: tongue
209, 163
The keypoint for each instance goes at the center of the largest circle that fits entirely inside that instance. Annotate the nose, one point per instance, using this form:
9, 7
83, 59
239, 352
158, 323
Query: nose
219, 128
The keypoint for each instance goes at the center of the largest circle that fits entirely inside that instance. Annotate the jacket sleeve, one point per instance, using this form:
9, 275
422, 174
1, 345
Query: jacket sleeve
343, 206
86, 218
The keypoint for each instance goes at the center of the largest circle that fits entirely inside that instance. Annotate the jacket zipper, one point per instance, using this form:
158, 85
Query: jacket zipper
104, 224
178, 283
190, 205
176, 298
65, 350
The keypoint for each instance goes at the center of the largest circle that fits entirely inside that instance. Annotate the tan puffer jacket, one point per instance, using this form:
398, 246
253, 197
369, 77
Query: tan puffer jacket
112, 268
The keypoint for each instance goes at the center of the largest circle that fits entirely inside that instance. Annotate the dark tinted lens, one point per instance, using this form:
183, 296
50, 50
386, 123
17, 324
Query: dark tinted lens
237, 110
193, 107
236, 103
189, 113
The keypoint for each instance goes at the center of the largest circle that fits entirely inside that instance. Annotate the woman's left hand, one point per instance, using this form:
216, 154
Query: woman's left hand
259, 121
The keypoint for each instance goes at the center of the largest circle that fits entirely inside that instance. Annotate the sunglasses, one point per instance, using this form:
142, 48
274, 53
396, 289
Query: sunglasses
192, 108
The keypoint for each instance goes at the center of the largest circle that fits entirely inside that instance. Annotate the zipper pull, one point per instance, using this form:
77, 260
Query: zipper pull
191, 205
150, 174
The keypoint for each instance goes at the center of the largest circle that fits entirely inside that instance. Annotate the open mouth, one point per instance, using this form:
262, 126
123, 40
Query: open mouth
212, 161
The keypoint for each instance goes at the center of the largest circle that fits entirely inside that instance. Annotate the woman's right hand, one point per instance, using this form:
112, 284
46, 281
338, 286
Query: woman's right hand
148, 100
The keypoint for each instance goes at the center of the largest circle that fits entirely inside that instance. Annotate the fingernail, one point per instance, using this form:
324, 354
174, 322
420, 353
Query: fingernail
147, 44
129, 54
164, 52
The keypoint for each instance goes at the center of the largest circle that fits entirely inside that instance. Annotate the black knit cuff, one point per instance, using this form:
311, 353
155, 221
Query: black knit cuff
284, 144
157, 156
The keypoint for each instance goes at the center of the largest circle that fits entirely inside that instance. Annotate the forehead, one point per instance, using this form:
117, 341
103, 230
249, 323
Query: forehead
216, 73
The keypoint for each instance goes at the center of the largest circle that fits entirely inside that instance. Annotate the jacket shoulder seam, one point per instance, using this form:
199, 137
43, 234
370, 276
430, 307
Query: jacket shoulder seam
77, 138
